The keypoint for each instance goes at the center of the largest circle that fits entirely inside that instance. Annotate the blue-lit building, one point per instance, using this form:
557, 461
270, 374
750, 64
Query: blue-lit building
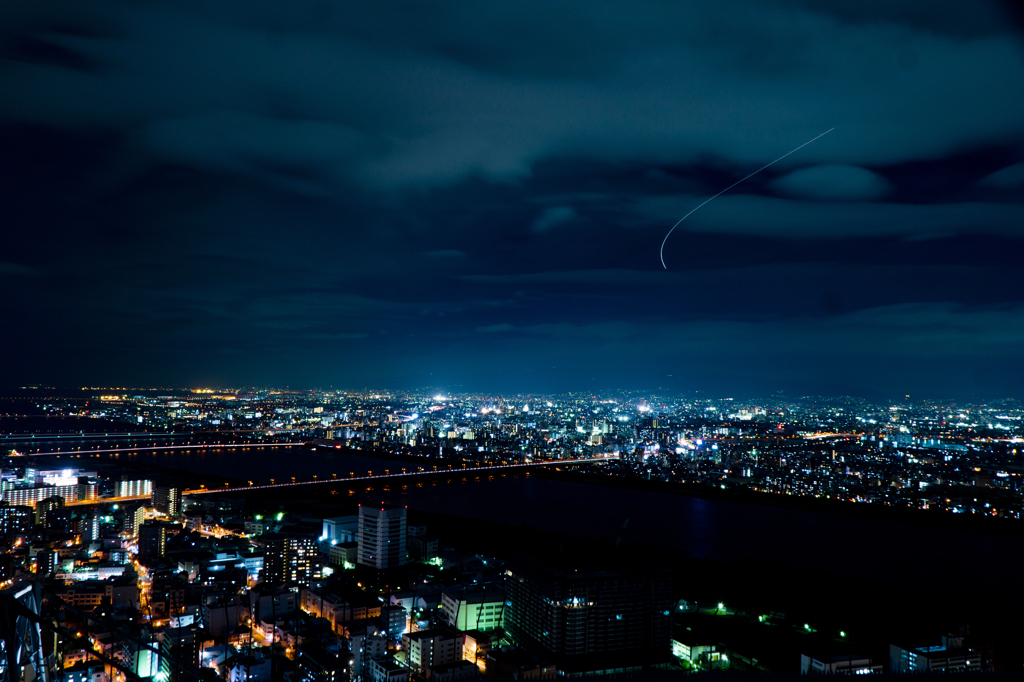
947, 657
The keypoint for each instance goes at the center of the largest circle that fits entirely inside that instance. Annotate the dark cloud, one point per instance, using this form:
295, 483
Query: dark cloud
834, 181
364, 194
552, 217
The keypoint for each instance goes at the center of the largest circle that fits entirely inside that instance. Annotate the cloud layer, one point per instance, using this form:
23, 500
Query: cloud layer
351, 194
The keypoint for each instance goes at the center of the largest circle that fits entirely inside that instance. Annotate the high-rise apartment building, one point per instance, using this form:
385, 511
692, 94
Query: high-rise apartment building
133, 488
167, 500
133, 518
16, 519
381, 536
47, 505
32, 496
152, 539
290, 559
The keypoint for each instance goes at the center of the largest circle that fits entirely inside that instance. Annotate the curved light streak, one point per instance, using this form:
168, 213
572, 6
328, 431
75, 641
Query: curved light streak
661, 253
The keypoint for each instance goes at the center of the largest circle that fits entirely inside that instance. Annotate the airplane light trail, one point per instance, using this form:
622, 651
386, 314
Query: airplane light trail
662, 251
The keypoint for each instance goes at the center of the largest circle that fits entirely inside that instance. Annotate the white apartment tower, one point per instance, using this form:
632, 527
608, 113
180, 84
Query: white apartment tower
381, 536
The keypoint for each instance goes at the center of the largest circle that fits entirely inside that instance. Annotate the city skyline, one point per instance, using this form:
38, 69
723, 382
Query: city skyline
473, 197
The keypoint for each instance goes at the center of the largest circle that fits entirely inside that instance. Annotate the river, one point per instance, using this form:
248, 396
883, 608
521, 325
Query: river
721, 530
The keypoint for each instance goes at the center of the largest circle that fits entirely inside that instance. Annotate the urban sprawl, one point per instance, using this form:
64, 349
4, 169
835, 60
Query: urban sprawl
119, 574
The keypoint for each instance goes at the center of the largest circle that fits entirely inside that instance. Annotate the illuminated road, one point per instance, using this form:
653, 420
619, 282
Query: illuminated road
109, 500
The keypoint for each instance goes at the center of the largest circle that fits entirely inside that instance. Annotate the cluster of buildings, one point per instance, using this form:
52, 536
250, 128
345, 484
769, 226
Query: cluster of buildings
924, 455
205, 588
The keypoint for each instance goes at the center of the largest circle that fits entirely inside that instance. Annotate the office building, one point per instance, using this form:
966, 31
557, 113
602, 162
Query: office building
340, 529
344, 554
950, 656
381, 536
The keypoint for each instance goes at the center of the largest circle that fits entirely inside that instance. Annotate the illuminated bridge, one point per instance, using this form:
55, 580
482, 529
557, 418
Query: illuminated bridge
157, 448
361, 478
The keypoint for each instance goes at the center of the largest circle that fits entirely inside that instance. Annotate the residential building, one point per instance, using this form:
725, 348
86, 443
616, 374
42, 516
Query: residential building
290, 559
427, 648
365, 644
167, 500
152, 539
318, 665
393, 620
134, 517
16, 519
453, 672
29, 497
387, 670
139, 488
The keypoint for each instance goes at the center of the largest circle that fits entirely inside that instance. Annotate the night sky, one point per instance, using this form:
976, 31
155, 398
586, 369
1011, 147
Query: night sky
471, 196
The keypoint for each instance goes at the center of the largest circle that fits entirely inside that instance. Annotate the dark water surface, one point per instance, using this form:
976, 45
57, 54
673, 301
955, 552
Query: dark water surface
719, 529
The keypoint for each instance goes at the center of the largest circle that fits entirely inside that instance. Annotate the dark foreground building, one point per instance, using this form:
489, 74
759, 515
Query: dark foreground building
586, 621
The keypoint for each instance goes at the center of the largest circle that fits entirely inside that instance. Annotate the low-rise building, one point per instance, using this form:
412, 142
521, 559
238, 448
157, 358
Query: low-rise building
949, 656
387, 670
838, 665
453, 672
433, 647
474, 609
